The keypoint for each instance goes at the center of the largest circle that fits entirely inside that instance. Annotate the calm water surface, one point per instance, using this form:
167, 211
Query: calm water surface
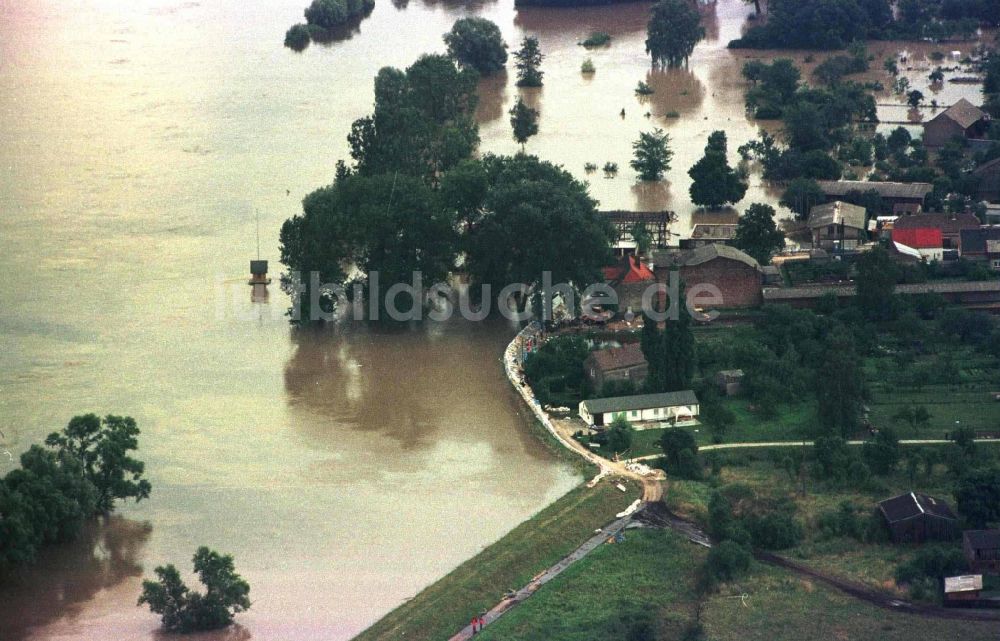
344, 470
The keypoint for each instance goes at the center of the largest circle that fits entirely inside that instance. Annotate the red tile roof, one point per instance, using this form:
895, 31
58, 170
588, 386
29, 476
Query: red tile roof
631, 270
919, 237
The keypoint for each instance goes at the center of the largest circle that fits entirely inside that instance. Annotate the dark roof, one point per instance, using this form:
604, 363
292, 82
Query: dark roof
987, 166
258, 266
613, 358
640, 402
835, 213
885, 189
939, 287
974, 240
982, 539
713, 231
703, 254
908, 506
947, 223
963, 112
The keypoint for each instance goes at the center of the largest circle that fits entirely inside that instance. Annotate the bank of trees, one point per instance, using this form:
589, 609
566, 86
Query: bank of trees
81, 473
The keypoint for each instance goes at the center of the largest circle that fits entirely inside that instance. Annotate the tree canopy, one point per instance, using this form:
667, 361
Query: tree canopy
478, 44
673, 30
714, 182
757, 234
184, 610
523, 122
423, 122
652, 154
528, 62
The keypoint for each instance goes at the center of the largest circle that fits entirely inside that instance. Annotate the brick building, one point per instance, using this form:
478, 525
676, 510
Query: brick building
982, 244
963, 119
951, 226
737, 276
988, 174
619, 364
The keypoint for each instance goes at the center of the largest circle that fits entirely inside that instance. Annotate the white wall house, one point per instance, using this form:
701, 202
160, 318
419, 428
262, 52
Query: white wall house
643, 411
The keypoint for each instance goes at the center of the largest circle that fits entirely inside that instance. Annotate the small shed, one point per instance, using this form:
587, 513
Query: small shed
729, 381
916, 518
258, 272
642, 410
962, 588
982, 550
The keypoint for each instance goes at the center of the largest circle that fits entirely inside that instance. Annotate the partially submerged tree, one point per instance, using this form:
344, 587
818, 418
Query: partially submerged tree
673, 31
714, 182
184, 610
523, 122
478, 44
103, 447
652, 154
528, 62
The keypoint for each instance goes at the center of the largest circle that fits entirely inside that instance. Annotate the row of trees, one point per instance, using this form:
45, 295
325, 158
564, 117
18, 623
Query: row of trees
80, 473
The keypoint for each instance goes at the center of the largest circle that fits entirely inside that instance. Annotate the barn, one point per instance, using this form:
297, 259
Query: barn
916, 518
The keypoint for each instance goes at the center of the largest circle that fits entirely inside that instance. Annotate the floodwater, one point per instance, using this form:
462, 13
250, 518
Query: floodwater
346, 469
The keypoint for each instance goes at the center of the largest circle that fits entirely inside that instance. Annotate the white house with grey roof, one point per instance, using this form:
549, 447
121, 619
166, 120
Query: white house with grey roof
643, 411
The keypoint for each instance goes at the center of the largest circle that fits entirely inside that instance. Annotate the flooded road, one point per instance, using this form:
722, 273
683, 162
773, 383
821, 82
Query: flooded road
346, 469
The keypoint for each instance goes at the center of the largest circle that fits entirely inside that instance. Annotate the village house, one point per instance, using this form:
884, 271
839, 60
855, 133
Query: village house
927, 241
982, 550
837, 226
642, 411
963, 119
902, 198
951, 226
988, 174
618, 364
982, 244
736, 275
729, 381
916, 518
630, 278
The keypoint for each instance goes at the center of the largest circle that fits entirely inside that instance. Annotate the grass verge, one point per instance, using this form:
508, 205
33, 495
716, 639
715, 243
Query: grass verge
441, 609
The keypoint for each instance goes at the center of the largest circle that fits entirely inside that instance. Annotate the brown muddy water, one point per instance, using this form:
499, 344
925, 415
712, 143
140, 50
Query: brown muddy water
344, 470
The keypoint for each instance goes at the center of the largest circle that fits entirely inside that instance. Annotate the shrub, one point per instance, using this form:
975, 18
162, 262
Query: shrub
643, 89
596, 39
587, 66
297, 37
727, 560
773, 530
934, 562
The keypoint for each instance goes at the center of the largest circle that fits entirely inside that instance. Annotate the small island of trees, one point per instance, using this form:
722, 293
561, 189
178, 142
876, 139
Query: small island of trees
324, 16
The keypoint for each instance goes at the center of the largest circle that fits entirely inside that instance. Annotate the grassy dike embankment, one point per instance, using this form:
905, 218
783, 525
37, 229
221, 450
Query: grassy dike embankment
441, 609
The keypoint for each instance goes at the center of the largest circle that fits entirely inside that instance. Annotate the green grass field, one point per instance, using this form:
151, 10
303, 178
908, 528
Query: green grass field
444, 607
649, 577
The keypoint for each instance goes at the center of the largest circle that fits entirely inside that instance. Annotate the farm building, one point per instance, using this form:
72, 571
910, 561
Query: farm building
982, 244
643, 410
963, 119
737, 276
837, 226
625, 363
903, 198
915, 518
982, 550
988, 174
928, 241
707, 233
657, 223
950, 225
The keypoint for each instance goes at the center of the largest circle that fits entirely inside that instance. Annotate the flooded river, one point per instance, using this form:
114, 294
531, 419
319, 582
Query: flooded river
346, 469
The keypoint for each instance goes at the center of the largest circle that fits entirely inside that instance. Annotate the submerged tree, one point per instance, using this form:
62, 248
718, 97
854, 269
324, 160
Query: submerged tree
673, 30
103, 446
478, 44
652, 155
182, 609
528, 62
523, 121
